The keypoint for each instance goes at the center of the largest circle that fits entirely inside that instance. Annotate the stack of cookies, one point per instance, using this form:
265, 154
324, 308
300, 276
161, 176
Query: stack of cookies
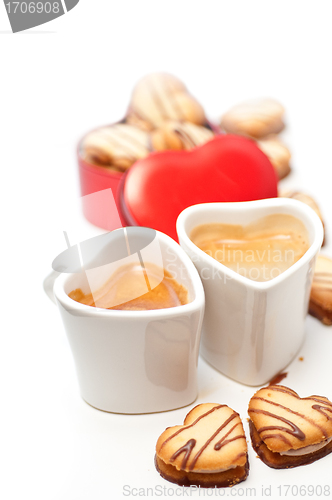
162, 114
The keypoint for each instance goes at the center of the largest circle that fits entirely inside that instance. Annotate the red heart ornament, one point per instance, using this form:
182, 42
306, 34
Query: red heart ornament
227, 168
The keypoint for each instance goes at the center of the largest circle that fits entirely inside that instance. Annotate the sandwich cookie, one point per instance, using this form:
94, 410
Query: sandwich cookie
209, 450
288, 431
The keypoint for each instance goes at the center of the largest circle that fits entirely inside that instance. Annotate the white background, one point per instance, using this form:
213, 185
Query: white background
75, 73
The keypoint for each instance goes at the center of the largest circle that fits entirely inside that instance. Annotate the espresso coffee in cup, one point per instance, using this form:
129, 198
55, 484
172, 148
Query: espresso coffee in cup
133, 280
261, 250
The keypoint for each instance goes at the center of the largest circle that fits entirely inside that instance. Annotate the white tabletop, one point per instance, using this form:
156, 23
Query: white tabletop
59, 81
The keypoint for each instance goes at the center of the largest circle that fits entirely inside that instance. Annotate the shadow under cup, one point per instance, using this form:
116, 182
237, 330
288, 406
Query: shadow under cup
134, 361
251, 330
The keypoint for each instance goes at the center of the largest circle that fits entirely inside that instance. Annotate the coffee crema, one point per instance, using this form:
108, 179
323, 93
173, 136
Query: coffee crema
126, 290
259, 251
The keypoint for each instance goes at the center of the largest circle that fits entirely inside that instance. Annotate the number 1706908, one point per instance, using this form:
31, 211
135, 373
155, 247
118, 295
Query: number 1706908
304, 490
33, 7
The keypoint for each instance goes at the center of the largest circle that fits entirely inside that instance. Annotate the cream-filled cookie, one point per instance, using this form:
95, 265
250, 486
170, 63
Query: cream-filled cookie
159, 97
255, 118
117, 146
320, 305
208, 450
308, 200
288, 431
278, 154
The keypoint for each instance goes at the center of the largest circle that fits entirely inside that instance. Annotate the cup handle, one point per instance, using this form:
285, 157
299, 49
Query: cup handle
48, 284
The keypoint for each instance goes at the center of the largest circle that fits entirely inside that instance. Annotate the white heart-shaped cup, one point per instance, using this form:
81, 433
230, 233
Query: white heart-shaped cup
132, 361
251, 330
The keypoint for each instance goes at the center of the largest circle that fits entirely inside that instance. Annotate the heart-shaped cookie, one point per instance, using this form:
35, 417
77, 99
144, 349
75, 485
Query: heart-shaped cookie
286, 430
227, 168
208, 450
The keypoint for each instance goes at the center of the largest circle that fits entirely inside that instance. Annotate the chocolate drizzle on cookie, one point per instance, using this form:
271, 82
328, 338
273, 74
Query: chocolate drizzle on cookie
323, 407
294, 429
160, 97
222, 441
198, 454
131, 139
187, 449
163, 97
186, 139
191, 425
119, 145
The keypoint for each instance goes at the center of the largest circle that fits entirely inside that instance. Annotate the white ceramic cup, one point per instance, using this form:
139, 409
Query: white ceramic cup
135, 361
251, 330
